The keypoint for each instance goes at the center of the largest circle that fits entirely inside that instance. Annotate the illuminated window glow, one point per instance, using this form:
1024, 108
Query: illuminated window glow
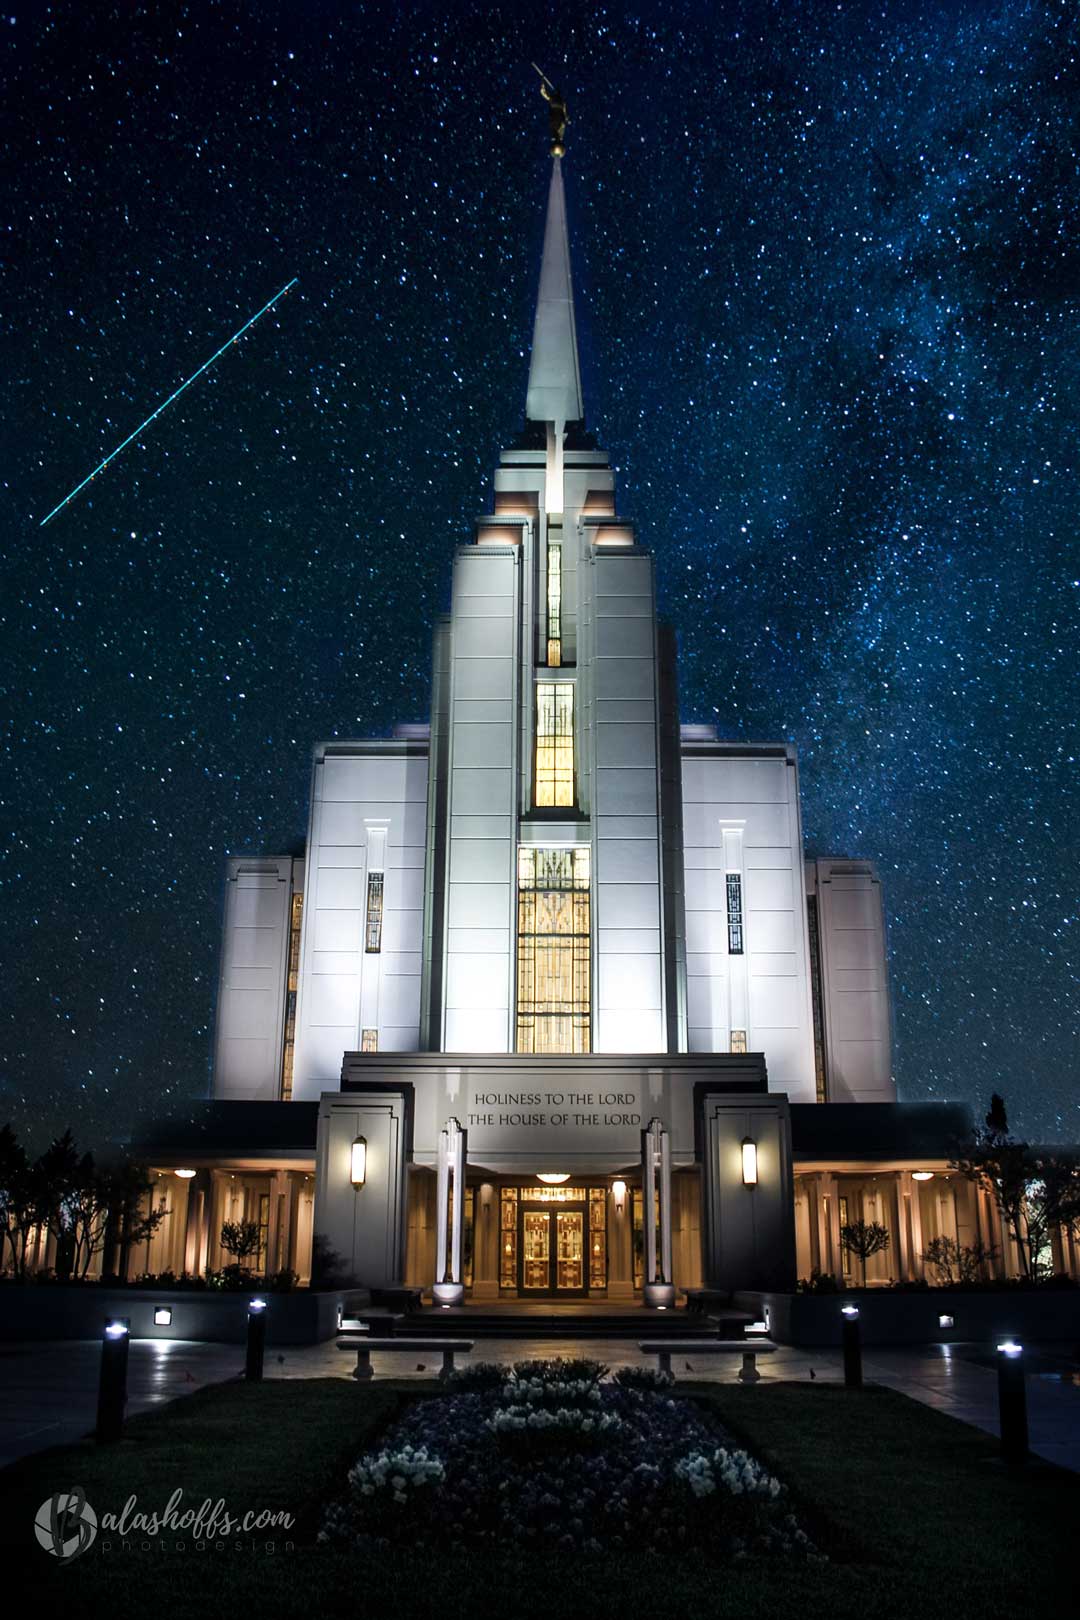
296, 915
373, 929
369, 1040
554, 605
554, 744
738, 1040
554, 961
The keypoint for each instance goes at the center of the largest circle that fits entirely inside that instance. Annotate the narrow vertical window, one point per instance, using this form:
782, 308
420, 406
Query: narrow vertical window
817, 996
369, 1040
554, 605
554, 951
734, 914
738, 1040
373, 928
554, 744
292, 980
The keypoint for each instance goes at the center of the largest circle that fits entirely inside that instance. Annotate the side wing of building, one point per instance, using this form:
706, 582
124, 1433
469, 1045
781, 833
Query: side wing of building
360, 953
747, 954
852, 1008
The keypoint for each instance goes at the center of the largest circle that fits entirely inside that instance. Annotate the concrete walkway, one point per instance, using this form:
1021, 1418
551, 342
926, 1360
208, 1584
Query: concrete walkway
48, 1392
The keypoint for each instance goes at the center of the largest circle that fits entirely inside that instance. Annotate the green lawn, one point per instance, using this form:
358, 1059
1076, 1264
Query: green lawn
915, 1513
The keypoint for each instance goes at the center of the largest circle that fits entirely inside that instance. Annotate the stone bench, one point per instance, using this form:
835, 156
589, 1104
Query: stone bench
749, 1349
364, 1344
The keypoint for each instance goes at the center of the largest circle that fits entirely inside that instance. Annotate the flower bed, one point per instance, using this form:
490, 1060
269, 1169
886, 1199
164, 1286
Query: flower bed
552, 1455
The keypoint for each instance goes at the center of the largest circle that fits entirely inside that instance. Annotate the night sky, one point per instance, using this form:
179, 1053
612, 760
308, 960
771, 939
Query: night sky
828, 277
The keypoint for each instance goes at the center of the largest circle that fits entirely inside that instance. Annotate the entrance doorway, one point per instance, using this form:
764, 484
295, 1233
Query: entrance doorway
552, 1250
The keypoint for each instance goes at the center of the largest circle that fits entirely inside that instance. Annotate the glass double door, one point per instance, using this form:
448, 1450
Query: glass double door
552, 1250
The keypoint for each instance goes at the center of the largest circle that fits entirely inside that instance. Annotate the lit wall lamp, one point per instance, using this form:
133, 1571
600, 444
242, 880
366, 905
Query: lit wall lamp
749, 1162
358, 1165
163, 1316
618, 1195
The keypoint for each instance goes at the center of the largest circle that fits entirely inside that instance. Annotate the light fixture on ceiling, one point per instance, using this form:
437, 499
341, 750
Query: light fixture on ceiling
185, 1175
552, 1178
922, 1175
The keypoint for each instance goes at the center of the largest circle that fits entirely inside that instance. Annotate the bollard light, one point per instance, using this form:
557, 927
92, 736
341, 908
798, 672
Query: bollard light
1012, 1402
749, 1162
358, 1163
851, 1339
112, 1383
618, 1194
256, 1340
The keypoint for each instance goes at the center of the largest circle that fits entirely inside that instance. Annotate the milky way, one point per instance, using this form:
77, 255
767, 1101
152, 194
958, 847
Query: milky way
828, 281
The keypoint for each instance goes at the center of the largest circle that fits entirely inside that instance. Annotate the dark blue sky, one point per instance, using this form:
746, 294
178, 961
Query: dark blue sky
828, 291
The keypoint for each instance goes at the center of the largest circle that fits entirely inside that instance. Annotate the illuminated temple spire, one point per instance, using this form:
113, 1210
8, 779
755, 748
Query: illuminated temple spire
554, 373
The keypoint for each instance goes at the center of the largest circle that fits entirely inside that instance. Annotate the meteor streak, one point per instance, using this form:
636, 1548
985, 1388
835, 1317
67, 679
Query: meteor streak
174, 395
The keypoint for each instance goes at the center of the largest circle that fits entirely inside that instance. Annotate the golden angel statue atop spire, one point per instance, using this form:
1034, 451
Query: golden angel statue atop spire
558, 117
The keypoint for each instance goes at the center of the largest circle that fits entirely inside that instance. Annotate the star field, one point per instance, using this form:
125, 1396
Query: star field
828, 282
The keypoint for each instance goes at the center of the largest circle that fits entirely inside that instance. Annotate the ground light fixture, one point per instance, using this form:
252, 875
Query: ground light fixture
1012, 1402
185, 1175
618, 1195
256, 1340
851, 1343
358, 1162
749, 1162
112, 1383
163, 1316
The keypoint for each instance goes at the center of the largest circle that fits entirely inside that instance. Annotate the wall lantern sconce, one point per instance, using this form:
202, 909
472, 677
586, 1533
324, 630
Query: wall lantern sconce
163, 1316
618, 1195
945, 1322
749, 1162
185, 1175
358, 1163
922, 1175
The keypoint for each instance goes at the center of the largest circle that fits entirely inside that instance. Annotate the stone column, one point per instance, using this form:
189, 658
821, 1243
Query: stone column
450, 1219
656, 1178
905, 1268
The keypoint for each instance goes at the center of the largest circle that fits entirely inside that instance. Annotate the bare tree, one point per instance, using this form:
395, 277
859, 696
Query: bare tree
865, 1238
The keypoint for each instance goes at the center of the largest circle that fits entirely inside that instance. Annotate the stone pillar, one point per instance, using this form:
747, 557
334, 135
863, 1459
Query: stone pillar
450, 1222
656, 1183
905, 1268
829, 1228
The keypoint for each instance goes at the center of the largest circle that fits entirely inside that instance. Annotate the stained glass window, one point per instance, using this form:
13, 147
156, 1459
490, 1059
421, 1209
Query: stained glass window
734, 914
373, 929
508, 1223
554, 961
296, 914
554, 605
554, 744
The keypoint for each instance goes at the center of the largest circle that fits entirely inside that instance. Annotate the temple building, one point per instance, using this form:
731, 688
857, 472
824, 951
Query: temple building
554, 1003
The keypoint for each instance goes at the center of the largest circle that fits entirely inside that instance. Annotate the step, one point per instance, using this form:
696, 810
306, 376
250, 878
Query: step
474, 1323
